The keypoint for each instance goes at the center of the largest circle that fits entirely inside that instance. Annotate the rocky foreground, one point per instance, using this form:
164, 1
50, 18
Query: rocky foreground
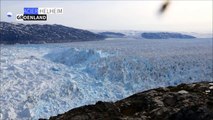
182, 102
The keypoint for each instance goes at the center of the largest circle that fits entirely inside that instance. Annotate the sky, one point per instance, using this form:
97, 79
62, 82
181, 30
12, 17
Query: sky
182, 15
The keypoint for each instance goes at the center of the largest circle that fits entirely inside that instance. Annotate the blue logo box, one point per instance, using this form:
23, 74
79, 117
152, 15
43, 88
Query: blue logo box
31, 11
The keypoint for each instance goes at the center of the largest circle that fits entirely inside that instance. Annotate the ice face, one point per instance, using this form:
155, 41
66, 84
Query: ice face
39, 81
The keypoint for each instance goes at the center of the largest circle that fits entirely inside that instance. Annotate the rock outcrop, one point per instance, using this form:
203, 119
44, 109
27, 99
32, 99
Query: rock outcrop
182, 102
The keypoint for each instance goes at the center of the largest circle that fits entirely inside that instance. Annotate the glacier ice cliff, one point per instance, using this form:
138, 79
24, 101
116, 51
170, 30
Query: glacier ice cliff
40, 81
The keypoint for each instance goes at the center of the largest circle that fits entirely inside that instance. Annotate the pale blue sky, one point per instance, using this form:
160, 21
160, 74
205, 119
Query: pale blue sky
186, 16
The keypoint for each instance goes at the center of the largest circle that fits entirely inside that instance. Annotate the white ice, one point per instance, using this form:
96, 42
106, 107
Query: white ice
39, 81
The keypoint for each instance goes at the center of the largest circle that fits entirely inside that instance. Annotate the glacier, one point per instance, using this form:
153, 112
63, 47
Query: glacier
42, 80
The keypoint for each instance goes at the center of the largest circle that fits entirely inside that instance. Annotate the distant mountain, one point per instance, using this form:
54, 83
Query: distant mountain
165, 35
112, 34
35, 33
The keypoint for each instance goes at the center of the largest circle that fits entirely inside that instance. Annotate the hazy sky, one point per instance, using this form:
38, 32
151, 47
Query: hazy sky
182, 15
